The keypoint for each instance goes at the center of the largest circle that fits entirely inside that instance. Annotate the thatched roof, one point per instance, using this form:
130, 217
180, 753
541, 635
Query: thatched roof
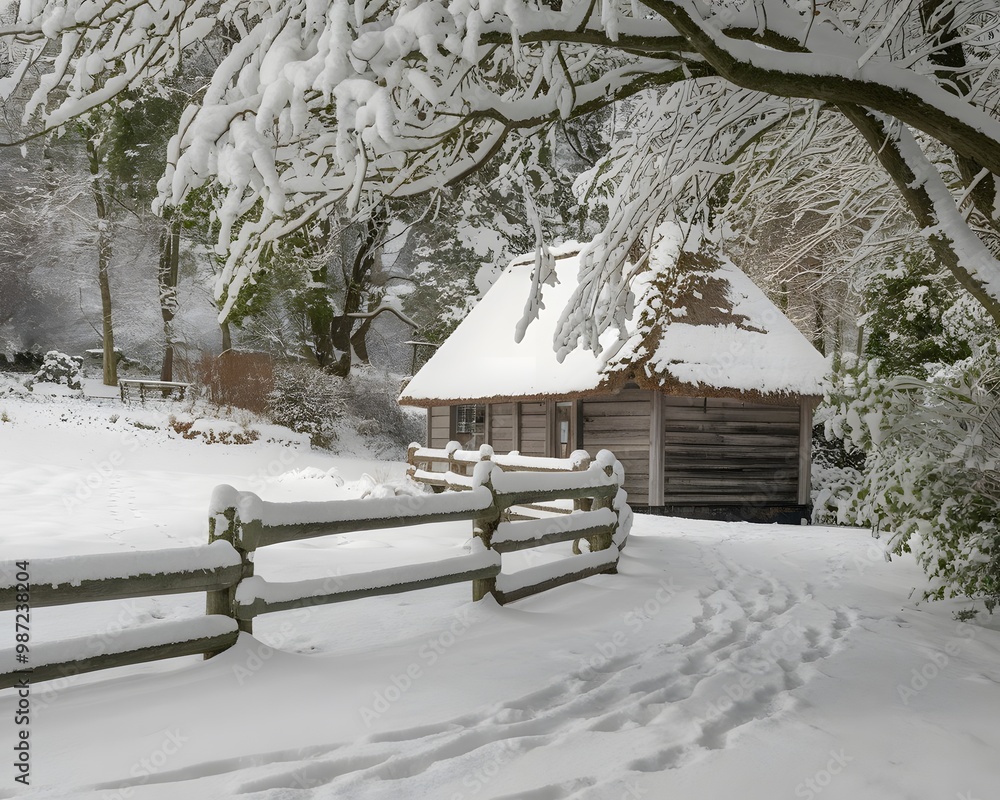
700, 328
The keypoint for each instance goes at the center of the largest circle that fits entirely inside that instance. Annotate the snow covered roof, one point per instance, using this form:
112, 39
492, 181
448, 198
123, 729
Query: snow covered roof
700, 327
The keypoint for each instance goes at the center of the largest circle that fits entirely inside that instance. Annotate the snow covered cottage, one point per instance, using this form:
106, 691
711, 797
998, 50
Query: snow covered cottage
708, 404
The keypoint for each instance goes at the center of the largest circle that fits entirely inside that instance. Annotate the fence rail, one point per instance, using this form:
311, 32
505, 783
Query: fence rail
451, 467
162, 640
122, 576
490, 490
256, 596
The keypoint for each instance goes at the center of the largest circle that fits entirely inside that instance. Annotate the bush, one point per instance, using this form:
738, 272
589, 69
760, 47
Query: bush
20, 362
308, 401
931, 477
59, 368
214, 431
371, 395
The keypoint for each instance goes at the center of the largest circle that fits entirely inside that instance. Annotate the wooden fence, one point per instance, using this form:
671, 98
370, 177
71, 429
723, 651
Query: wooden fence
240, 523
120, 576
451, 468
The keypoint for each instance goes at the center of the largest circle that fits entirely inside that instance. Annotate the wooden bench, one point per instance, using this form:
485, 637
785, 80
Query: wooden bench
166, 388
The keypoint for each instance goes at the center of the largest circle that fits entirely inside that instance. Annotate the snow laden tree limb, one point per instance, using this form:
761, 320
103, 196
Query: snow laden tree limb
321, 105
676, 160
836, 78
819, 196
384, 309
88, 53
932, 205
952, 70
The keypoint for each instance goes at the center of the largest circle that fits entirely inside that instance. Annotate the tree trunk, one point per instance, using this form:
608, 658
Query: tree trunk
103, 264
320, 316
227, 339
359, 340
167, 277
107, 328
356, 285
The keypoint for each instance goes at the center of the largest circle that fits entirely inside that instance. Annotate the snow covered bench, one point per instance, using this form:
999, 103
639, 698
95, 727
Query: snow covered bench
165, 388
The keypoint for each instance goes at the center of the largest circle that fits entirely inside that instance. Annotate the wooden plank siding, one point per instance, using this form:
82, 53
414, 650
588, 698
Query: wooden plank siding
501, 431
806, 410
726, 452
656, 448
439, 426
708, 452
620, 423
534, 429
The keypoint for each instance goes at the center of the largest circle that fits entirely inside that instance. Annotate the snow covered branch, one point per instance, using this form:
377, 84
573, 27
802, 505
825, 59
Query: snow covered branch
933, 206
321, 107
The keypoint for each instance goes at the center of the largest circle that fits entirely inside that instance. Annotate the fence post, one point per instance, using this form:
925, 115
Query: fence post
603, 541
581, 503
411, 459
484, 527
223, 601
485, 454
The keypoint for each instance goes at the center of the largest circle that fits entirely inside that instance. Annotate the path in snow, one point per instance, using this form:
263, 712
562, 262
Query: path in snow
725, 660
752, 640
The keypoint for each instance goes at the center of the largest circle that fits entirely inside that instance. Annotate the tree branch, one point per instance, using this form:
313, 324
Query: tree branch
382, 309
904, 94
929, 205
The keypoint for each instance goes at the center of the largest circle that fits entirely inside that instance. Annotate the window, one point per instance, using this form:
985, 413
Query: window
563, 430
470, 426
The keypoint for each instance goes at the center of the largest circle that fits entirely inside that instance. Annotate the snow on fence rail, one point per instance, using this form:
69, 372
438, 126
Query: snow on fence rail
435, 466
119, 576
532, 493
249, 523
241, 522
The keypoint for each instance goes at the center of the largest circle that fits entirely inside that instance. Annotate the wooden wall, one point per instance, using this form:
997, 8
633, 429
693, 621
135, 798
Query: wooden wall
501, 432
715, 452
439, 426
534, 429
722, 452
620, 423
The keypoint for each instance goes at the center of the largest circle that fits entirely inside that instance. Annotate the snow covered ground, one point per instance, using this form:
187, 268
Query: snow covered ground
724, 661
